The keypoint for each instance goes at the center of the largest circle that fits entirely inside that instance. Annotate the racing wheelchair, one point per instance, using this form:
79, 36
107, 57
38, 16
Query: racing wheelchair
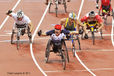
92, 27
57, 47
106, 11
20, 30
56, 3
73, 38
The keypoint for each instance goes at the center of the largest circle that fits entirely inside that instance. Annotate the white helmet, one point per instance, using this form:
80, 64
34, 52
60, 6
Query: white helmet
20, 14
72, 15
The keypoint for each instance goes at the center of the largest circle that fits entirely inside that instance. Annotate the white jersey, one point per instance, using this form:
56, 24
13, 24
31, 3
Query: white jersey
25, 19
57, 38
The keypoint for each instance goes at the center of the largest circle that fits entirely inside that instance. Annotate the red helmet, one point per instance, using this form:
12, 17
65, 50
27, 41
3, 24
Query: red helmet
58, 27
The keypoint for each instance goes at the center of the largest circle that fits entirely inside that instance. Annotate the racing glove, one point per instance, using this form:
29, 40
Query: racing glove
9, 11
40, 33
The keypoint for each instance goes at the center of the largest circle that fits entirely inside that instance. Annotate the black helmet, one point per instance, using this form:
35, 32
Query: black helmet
92, 14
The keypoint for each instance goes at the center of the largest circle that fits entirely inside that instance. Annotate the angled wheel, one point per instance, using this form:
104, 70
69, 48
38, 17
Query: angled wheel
73, 48
65, 7
101, 34
93, 38
18, 38
79, 43
12, 35
47, 52
113, 13
50, 6
63, 58
56, 8
65, 51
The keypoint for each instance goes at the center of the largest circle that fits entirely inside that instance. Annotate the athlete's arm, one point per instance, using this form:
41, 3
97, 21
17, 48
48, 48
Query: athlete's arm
31, 26
63, 21
82, 25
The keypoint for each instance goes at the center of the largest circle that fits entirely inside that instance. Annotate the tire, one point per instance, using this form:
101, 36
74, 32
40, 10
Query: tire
66, 51
50, 7
12, 35
93, 38
63, 59
73, 49
56, 8
101, 34
65, 7
113, 13
29, 35
47, 52
79, 43
18, 38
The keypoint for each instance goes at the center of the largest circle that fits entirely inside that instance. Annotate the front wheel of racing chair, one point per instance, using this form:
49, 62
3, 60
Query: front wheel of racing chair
63, 57
18, 39
12, 36
47, 52
93, 37
64, 48
29, 34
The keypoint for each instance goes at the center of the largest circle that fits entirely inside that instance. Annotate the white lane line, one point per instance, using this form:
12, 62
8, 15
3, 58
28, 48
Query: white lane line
112, 32
31, 49
76, 55
97, 69
8, 16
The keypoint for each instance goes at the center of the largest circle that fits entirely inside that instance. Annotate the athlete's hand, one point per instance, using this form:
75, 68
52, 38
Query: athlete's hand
40, 33
8, 12
68, 0
97, 6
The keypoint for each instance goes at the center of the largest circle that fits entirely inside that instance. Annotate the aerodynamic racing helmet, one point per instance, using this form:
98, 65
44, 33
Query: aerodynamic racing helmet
92, 14
72, 15
20, 14
58, 27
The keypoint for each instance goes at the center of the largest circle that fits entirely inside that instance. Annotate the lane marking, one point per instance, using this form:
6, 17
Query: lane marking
112, 32
76, 55
97, 69
31, 49
8, 16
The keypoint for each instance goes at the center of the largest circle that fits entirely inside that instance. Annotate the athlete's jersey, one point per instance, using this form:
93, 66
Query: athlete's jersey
57, 38
105, 2
71, 27
25, 19
87, 18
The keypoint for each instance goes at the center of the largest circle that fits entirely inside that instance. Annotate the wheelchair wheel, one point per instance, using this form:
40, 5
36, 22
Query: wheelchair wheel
56, 8
50, 7
65, 7
65, 51
79, 43
29, 35
73, 48
101, 34
113, 13
18, 38
63, 58
12, 35
47, 52
93, 37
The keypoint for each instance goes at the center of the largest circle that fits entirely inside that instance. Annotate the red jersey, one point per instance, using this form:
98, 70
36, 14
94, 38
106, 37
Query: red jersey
87, 18
105, 2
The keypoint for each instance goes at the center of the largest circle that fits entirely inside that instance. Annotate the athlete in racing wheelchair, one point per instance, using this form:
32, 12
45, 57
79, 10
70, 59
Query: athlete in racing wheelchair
57, 43
21, 25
